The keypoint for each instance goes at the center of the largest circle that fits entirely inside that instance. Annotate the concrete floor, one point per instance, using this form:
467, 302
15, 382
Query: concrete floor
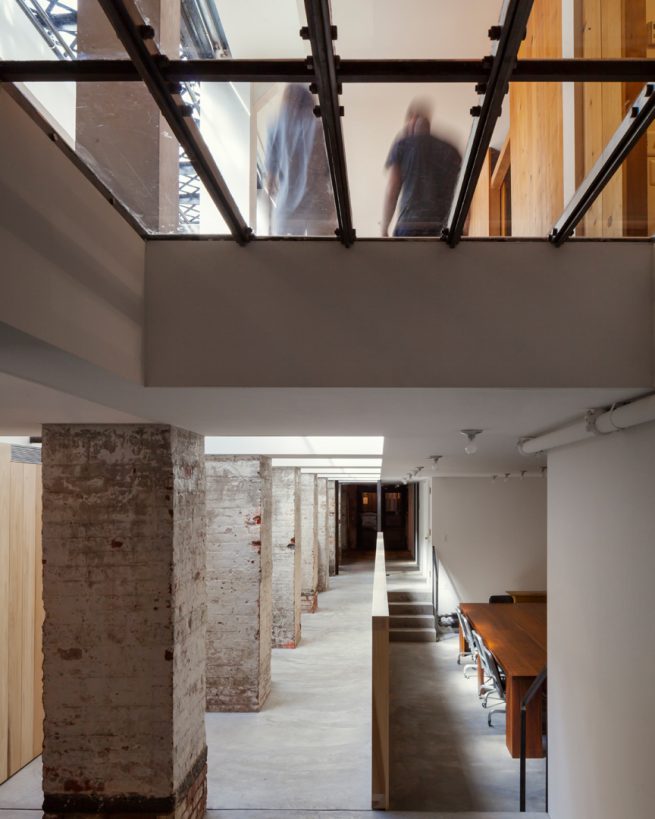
306, 755
444, 755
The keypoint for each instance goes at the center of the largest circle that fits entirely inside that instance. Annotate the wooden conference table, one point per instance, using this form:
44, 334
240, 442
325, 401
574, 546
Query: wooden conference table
516, 636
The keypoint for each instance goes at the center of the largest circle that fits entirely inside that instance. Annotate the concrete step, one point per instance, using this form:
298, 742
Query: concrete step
412, 621
409, 596
410, 608
412, 635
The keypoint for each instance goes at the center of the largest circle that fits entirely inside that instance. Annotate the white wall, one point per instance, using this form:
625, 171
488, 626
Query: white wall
490, 535
399, 314
72, 269
425, 527
601, 644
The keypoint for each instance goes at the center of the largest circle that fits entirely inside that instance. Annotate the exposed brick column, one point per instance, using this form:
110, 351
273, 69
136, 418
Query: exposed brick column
309, 542
239, 566
124, 632
321, 530
331, 524
287, 570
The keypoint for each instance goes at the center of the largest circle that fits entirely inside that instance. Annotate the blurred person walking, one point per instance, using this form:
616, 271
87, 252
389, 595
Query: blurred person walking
423, 171
297, 172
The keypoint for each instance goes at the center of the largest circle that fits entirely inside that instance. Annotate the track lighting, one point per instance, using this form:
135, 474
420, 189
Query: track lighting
471, 447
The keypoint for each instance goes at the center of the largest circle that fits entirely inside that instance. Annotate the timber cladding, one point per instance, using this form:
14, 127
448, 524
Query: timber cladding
21, 609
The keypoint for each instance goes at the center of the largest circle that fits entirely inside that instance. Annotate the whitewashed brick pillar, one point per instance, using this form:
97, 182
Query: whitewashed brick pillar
239, 589
309, 542
322, 535
332, 528
124, 631
287, 569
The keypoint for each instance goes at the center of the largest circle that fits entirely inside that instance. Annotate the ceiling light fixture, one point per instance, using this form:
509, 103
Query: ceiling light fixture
471, 448
435, 462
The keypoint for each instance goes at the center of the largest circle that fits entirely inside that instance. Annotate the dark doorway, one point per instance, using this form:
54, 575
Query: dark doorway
359, 513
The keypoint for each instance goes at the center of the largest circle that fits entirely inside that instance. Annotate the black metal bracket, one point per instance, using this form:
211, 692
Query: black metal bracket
511, 31
324, 63
144, 53
624, 139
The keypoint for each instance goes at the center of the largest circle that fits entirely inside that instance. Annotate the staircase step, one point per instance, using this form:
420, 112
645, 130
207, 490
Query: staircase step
410, 608
412, 635
410, 597
411, 621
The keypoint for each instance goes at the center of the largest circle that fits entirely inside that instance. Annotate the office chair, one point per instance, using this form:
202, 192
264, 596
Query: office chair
465, 625
496, 685
501, 598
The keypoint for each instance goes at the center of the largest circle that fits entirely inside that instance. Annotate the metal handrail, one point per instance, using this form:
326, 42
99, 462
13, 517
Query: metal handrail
530, 694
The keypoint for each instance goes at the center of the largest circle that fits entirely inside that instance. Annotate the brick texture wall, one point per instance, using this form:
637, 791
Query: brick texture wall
321, 531
124, 594
331, 524
287, 568
239, 587
308, 542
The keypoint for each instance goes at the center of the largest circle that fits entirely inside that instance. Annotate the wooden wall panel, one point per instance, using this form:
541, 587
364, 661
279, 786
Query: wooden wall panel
39, 613
5, 454
21, 614
536, 133
479, 216
16, 549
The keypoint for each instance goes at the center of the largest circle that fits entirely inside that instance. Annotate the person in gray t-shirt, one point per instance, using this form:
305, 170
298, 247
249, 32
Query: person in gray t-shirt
423, 172
298, 176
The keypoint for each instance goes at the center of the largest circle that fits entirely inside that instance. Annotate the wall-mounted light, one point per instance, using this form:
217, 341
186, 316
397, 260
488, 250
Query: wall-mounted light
471, 447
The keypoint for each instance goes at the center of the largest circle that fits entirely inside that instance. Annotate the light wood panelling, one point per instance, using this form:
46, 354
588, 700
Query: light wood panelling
479, 214
536, 131
16, 549
21, 614
5, 454
37, 739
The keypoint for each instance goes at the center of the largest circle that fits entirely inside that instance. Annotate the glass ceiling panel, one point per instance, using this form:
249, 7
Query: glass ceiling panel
413, 29
223, 29
387, 124
56, 30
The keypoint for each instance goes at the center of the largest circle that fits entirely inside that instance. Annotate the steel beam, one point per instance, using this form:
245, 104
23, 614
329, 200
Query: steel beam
511, 31
138, 40
348, 71
320, 33
624, 139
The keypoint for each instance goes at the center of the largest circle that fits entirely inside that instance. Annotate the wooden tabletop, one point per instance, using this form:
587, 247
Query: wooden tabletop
515, 634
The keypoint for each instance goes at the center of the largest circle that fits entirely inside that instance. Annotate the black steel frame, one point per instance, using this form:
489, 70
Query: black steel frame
511, 31
138, 40
320, 32
326, 72
626, 136
534, 690
348, 71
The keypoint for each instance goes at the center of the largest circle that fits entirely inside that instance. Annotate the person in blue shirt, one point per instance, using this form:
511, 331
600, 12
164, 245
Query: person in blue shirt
297, 172
423, 171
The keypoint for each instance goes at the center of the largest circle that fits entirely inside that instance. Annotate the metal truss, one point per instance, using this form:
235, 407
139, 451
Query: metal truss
626, 136
509, 35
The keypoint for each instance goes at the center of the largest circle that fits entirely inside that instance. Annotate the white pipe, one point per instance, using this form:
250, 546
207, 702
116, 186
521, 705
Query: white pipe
640, 411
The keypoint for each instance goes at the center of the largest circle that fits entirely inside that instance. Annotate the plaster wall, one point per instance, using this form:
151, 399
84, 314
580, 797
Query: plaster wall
72, 271
473, 317
490, 535
601, 565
